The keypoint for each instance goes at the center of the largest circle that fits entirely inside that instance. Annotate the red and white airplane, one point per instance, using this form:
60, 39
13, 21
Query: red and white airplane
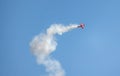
81, 26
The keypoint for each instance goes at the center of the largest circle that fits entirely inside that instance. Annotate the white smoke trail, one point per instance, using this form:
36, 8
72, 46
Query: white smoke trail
44, 44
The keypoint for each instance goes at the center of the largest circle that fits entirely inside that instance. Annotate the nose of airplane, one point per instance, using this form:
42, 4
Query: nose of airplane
82, 25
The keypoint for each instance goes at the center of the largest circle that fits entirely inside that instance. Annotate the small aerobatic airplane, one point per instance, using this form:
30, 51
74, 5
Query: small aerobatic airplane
81, 26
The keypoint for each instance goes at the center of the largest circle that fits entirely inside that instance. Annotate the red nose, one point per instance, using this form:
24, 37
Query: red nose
82, 26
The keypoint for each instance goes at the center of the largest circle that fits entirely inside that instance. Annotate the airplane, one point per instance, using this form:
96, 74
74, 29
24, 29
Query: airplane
81, 26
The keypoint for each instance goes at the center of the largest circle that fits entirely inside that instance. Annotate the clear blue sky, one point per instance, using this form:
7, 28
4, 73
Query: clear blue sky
94, 51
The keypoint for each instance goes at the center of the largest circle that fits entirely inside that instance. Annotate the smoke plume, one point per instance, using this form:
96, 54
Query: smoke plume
44, 44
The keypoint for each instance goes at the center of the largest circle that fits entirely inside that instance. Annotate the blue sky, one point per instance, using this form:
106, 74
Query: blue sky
93, 51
